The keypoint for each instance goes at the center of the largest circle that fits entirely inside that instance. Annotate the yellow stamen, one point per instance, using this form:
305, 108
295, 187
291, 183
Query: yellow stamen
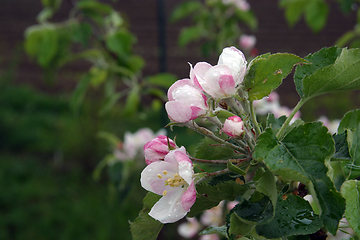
165, 172
175, 181
164, 193
159, 176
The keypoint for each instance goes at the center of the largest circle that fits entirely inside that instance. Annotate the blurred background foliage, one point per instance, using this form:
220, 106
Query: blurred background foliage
49, 144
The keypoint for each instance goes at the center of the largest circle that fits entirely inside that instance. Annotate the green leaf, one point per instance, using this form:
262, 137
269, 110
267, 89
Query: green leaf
162, 80
257, 210
293, 216
109, 103
222, 230
351, 192
350, 121
317, 60
266, 72
276, 123
120, 42
90, 7
238, 227
51, 3
341, 75
267, 185
45, 14
293, 10
345, 39
81, 33
300, 156
209, 196
188, 35
185, 9
145, 227
42, 43
352, 168
235, 169
97, 76
135, 63
79, 93
341, 147
316, 13
132, 102
211, 150
350, 125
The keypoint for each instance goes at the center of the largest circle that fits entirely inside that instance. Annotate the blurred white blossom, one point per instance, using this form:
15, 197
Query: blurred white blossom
134, 143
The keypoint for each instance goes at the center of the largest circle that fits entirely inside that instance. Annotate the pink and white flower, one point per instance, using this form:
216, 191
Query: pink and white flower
247, 41
173, 179
190, 228
223, 79
240, 4
233, 126
186, 101
235, 60
134, 143
157, 148
332, 125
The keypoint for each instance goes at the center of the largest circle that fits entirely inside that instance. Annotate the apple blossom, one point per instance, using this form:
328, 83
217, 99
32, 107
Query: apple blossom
173, 179
134, 143
157, 148
240, 4
332, 125
190, 228
235, 60
186, 101
247, 41
233, 126
221, 80
213, 217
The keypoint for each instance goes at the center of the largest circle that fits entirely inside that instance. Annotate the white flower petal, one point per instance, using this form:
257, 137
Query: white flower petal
150, 179
169, 208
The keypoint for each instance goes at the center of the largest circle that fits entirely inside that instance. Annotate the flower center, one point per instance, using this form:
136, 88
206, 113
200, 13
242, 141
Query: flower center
175, 181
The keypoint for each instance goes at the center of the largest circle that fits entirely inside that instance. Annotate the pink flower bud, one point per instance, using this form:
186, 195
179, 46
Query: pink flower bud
186, 101
233, 126
235, 60
247, 41
157, 149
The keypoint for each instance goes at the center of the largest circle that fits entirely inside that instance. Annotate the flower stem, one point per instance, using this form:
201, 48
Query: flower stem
253, 120
288, 120
203, 131
216, 121
235, 161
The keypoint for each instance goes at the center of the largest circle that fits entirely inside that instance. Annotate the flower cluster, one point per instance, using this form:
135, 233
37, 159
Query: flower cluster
169, 173
188, 98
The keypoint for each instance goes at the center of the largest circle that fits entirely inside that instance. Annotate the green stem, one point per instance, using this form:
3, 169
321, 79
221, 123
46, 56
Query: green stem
235, 161
288, 120
216, 121
253, 120
207, 133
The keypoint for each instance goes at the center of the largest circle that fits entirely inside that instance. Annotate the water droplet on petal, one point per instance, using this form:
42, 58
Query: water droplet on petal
149, 170
170, 202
